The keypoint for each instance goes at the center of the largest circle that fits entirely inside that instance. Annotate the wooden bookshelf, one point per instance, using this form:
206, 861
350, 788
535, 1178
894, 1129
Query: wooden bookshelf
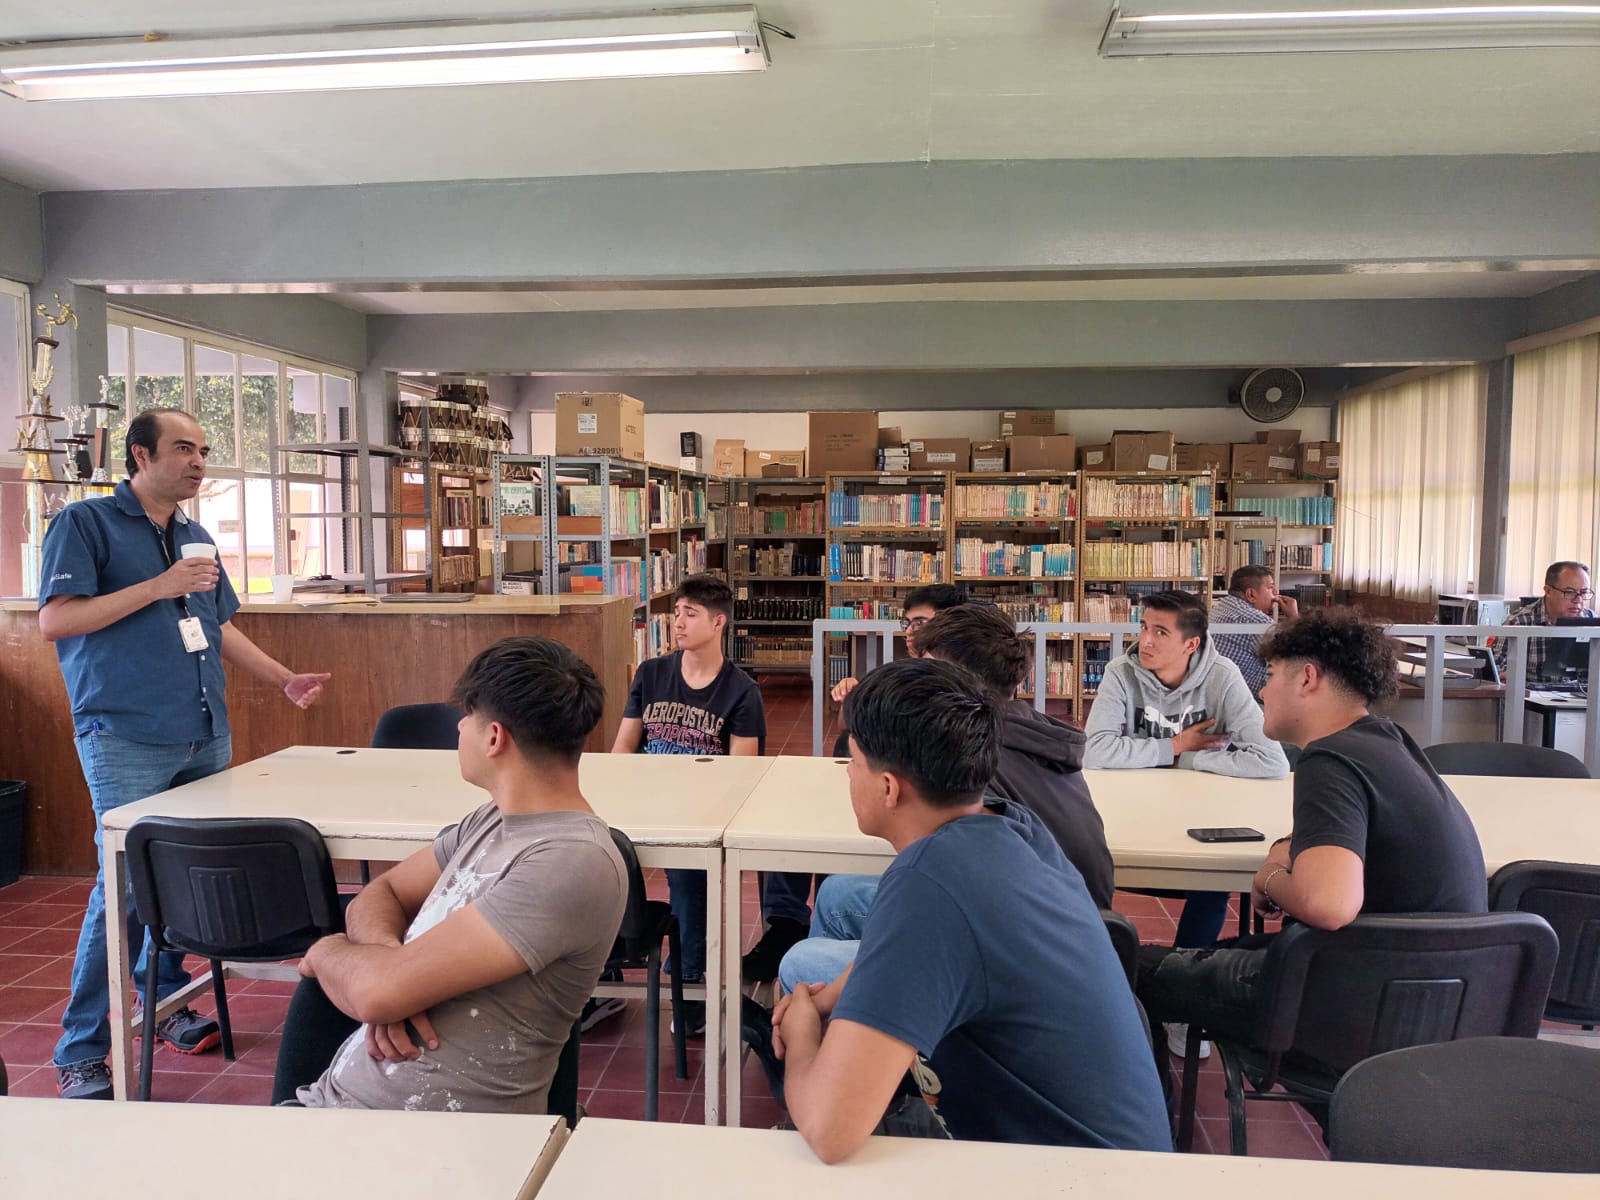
777, 543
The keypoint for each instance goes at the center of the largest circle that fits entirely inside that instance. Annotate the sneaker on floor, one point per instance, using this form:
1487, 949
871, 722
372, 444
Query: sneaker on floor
599, 1008
185, 1031
694, 1019
755, 1025
84, 1081
760, 965
1178, 1041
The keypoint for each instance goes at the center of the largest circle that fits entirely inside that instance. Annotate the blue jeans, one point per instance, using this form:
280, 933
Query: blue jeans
120, 772
686, 892
843, 902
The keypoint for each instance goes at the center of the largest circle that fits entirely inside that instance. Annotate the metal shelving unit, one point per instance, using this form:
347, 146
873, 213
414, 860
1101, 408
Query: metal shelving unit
519, 507
770, 521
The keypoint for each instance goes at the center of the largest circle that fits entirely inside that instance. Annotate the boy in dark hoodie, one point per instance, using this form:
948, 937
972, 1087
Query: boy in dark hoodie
1040, 768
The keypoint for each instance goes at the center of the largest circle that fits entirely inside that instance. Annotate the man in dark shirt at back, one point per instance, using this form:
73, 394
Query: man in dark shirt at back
1375, 828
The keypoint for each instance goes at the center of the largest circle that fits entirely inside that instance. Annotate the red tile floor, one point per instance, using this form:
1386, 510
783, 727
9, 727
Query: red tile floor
40, 916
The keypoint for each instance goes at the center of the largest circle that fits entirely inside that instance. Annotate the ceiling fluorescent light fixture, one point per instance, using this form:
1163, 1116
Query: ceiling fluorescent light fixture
1456, 28
436, 54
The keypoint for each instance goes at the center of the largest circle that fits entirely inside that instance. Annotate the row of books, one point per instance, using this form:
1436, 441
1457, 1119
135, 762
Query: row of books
627, 579
1059, 673
1306, 558
1110, 499
1016, 502
652, 637
663, 572
804, 516
894, 458
665, 504
865, 610
784, 559
692, 507
693, 552
772, 651
577, 552
1249, 552
624, 505
1291, 510
1035, 608
461, 510
977, 558
777, 608
518, 498
1145, 560
455, 569
884, 564
921, 510
717, 523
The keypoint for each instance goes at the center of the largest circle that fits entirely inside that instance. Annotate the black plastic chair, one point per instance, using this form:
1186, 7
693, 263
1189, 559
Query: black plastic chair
256, 890
1567, 895
1327, 1000
562, 1098
645, 923
1504, 758
414, 727
1495, 1104
1125, 941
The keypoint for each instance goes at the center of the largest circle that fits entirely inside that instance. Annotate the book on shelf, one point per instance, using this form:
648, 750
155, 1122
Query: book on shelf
1145, 560
1060, 670
1035, 608
652, 637
785, 559
894, 458
919, 510
776, 608
518, 498
1114, 500
665, 504
977, 558
624, 505
663, 572
1305, 558
693, 554
772, 651
589, 579
1291, 510
458, 510
868, 563
797, 517
692, 508
1016, 501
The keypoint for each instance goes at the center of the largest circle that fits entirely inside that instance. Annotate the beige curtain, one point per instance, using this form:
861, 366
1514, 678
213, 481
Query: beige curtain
1553, 504
1410, 479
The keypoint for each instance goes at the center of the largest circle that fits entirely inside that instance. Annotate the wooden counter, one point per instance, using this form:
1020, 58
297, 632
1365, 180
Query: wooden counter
381, 654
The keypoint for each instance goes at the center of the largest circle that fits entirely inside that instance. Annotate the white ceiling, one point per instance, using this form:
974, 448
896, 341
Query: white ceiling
864, 81
1407, 286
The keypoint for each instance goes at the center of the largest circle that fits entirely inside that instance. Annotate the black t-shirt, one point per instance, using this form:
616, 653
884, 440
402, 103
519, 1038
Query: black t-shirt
1369, 789
679, 719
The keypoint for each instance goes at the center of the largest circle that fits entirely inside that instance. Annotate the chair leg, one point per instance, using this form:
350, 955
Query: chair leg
1244, 914
147, 1047
1190, 1088
680, 1035
366, 872
219, 989
652, 1032
1234, 1090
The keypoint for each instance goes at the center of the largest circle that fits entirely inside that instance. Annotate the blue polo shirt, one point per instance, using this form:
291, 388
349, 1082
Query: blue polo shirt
134, 677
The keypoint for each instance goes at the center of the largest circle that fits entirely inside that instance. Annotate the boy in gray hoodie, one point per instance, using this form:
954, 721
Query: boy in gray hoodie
1172, 700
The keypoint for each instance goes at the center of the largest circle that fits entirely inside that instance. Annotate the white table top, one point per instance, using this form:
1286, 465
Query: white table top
804, 804
708, 1163
412, 794
87, 1151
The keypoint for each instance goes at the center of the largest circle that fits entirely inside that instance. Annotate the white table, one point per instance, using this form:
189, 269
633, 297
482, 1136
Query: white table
386, 804
74, 1151
700, 1163
799, 819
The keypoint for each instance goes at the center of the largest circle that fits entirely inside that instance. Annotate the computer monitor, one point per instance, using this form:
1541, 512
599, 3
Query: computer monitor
1568, 658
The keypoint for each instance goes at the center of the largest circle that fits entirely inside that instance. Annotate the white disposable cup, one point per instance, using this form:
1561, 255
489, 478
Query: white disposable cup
197, 550
282, 589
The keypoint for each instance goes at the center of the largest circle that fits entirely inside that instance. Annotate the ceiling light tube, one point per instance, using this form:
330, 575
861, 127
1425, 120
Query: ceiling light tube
1366, 29
438, 54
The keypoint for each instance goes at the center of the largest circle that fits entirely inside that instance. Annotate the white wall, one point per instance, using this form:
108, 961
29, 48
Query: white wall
787, 431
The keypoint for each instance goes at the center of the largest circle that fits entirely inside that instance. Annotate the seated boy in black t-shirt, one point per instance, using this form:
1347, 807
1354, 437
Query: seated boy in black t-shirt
692, 701
1375, 828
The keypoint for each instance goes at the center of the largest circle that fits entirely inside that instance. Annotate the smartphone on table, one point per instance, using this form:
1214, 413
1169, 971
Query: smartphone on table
1236, 833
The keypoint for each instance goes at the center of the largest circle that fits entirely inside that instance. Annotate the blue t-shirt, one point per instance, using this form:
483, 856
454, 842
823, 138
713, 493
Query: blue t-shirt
679, 719
984, 952
134, 678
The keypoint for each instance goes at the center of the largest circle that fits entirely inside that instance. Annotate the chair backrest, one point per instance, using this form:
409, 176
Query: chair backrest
1504, 758
1125, 941
637, 924
417, 727
233, 888
1385, 982
1567, 895
1499, 1104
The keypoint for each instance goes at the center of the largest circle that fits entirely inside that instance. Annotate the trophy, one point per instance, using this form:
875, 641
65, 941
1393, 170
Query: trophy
33, 439
102, 411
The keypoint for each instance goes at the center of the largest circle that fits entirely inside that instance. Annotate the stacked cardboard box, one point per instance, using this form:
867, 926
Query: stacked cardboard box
841, 441
600, 423
940, 454
1057, 452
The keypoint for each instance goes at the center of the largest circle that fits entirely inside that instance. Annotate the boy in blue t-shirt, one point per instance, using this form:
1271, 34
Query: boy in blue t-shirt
692, 701
984, 967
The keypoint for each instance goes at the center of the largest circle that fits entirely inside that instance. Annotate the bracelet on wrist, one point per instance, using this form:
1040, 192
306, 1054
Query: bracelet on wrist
1267, 883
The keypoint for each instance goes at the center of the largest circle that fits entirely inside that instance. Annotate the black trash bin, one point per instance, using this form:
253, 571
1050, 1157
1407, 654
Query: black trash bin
13, 803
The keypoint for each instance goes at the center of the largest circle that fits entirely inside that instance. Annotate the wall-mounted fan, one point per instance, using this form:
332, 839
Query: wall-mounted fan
1270, 394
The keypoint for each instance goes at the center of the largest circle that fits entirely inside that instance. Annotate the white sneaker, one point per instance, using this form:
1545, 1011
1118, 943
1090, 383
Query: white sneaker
1178, 1041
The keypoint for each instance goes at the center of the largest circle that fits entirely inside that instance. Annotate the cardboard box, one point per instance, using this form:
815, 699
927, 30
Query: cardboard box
889, 436
690, 446
1027, 422
841, 441
1096, 457
727, 456
600, 423
1142, 450
940, 454
1281, 440
1249, 460
775, 464
1203, 456
1319, 460
697, 465
1057, 452
989, 457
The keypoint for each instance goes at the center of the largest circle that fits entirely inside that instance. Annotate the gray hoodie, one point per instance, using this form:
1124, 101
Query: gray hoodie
1135, 717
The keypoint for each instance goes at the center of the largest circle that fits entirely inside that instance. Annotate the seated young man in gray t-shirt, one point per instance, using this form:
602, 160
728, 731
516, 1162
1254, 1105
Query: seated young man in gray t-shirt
463, 968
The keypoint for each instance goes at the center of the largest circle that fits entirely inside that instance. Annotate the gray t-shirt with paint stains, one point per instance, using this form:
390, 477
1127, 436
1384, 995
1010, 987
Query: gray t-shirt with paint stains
551, 884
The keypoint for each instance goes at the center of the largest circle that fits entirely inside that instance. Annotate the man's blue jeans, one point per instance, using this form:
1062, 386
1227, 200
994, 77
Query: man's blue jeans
843, 902
120, 772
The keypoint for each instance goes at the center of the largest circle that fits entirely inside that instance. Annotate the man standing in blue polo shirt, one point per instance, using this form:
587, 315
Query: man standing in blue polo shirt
142, 633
